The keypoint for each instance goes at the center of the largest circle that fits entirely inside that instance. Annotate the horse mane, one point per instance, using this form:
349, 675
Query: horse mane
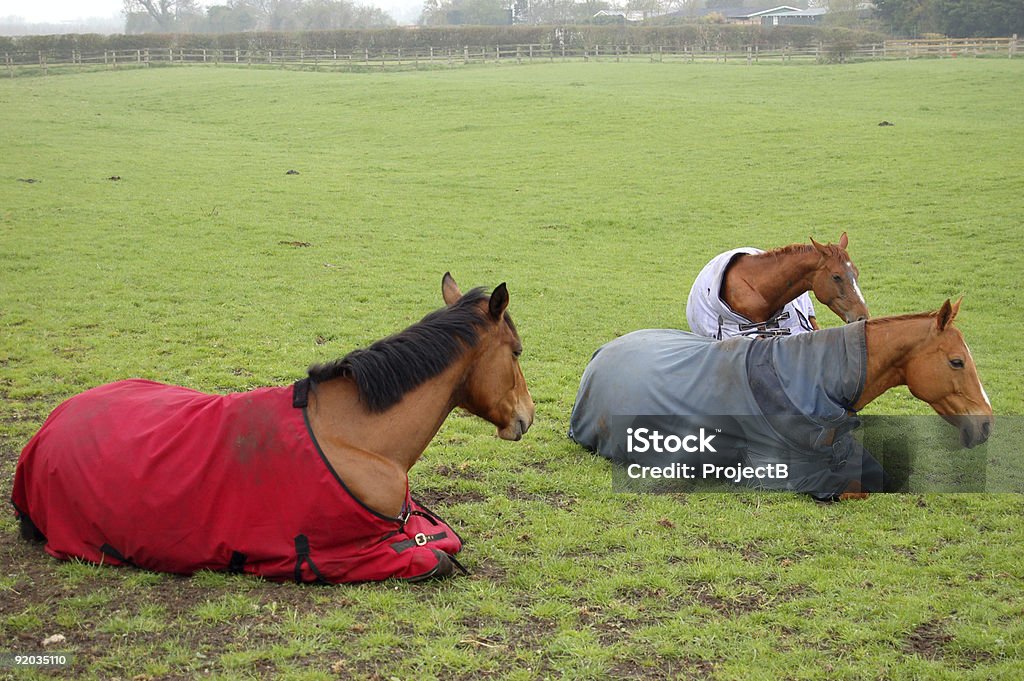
903, 317
797, 249
386, 370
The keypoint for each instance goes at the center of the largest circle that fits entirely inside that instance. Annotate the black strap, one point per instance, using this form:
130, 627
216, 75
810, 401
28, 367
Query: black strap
457, 564
302, 556
109, 550
419, 540
237, 562
300, 394
425, 513
436, 518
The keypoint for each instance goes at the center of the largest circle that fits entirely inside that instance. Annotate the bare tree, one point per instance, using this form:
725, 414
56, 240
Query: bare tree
166, 13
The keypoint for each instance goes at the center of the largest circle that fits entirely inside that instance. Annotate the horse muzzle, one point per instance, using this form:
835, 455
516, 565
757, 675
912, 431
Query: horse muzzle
517, 428
975, 429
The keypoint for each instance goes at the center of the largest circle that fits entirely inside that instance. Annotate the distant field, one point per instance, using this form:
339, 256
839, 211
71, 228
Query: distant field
597, 191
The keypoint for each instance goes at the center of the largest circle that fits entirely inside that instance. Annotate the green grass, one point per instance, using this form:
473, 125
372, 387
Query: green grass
597, 191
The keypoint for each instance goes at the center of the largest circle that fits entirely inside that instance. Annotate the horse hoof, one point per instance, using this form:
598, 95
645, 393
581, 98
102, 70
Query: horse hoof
444, 568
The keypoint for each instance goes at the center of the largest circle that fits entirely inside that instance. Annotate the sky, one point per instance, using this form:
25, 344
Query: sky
55, 11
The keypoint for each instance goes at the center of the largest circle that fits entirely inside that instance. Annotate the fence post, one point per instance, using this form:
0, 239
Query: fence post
1013, 46
465, 54
10, 64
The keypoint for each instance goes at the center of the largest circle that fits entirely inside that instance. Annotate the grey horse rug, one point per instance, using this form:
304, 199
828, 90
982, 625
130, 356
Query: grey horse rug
768, 413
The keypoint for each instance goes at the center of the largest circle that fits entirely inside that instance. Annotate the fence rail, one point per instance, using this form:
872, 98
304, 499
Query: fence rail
28, 62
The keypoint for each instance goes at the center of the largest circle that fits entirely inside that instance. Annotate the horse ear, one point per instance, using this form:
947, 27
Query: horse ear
843, 241
499, 302
449, 289
821, 249
946, 314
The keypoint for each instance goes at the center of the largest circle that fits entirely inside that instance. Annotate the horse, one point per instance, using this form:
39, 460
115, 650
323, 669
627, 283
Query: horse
306, 482
747, 291
788, 399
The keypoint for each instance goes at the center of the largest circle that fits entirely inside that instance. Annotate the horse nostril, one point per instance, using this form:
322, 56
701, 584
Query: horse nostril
862, 318
524, 426
986, 429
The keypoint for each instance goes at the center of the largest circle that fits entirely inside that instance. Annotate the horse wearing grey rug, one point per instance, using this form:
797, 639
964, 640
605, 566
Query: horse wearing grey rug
742, 403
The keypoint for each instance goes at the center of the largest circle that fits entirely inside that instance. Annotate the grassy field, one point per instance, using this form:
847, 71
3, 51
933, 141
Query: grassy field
597, 191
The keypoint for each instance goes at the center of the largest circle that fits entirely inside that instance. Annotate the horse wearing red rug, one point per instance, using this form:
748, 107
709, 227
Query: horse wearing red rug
306, 482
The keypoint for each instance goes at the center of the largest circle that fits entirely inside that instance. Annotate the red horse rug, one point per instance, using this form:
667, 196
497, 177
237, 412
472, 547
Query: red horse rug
173, 480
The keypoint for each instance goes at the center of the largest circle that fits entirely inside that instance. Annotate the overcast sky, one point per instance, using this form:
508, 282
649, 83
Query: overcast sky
65, 10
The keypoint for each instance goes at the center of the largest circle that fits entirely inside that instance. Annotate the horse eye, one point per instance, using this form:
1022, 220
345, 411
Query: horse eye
836, 278
517, 353
956, 363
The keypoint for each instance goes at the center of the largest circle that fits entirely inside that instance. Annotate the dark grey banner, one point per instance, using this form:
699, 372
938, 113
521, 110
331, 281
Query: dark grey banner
873, 454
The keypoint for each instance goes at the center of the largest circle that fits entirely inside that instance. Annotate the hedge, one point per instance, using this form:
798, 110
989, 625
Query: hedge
705, 36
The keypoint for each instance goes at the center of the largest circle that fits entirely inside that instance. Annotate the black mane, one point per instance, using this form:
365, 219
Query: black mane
392, 366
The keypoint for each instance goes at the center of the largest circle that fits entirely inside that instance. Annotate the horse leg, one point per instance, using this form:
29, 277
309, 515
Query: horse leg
376, 482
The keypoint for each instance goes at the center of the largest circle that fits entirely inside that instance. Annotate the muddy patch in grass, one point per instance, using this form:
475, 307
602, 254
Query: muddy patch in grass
437, 499
662, 668
556, 500
927, 640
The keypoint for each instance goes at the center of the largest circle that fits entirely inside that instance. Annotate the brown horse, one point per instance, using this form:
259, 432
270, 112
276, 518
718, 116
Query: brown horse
375, 411
790, 399
746, 288
926, 353
306, 482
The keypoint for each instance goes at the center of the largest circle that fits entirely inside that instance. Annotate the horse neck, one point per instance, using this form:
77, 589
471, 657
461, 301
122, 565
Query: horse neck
758, 286
402, 432
890, 344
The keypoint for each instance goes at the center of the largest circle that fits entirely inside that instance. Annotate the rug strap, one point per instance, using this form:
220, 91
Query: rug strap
300, 394
302, 556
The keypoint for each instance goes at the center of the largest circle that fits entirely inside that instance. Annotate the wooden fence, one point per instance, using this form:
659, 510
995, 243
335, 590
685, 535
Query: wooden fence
24, 62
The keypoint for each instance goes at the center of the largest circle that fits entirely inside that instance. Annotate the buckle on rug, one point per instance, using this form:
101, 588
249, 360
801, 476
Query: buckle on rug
420, 539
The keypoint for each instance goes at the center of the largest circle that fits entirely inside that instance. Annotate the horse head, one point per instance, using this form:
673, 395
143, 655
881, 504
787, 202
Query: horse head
835, 281
941, 372
494, 387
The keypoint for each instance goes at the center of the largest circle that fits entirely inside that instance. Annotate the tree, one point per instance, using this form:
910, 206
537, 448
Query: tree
471, 12
234, 17
956, 18
648, 8
976, 18
166, 13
